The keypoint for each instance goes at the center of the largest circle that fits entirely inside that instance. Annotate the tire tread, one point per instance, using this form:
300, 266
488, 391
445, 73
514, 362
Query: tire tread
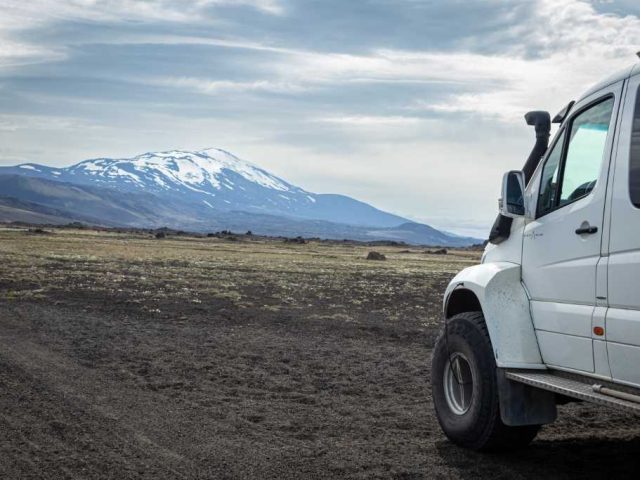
489, 432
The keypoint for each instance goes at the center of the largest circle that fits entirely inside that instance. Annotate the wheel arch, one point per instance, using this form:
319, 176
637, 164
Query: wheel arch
461, 300
496, 290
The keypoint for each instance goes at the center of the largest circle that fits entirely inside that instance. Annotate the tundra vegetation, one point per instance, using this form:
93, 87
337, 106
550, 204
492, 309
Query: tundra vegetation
123, 356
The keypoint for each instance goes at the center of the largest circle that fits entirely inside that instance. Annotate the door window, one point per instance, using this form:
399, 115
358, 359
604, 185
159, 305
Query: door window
585, 151
634, 155
549, 185
569, 177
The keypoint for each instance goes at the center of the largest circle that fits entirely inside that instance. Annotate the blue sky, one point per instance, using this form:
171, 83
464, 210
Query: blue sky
414, 106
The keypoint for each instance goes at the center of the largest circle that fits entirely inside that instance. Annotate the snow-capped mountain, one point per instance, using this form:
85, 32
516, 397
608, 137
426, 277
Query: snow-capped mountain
203, 190
214, 179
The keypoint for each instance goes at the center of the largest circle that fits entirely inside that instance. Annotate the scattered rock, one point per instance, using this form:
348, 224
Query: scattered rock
78, 225
298, 240
224, 235
383, 243
39, 231
376, 256
440, 251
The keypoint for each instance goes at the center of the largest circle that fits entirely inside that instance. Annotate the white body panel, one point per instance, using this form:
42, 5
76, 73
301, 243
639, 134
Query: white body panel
508, 251
623, 275
566, 351
562, 317
559, 267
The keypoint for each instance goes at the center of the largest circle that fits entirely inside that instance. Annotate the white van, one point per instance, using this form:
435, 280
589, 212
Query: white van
552, 314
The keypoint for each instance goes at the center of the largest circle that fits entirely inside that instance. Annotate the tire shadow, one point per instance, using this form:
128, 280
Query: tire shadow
589, 458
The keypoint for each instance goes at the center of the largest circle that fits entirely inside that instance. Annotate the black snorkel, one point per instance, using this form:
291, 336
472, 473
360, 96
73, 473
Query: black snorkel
541, 121
501, 228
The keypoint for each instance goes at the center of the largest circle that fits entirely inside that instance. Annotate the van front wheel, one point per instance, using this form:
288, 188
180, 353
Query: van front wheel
465, 388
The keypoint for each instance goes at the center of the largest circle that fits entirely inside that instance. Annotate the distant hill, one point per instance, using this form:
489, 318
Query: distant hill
202, 191
14, 210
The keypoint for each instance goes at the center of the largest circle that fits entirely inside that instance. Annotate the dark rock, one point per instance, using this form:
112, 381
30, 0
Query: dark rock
39, 231
376, 256
298, 240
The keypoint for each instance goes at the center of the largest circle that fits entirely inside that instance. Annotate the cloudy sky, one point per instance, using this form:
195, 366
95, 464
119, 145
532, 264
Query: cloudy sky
412, 105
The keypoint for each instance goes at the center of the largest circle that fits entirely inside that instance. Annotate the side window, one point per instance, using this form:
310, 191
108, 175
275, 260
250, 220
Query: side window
634, 159
550, 172
585, 151
566, 178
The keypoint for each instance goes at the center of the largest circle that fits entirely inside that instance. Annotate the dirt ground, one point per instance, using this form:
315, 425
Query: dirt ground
126, 356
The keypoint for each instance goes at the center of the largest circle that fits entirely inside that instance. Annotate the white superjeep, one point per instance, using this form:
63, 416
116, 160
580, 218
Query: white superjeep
552, 313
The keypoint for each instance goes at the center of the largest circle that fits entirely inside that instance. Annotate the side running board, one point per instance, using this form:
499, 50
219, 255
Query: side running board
582, 388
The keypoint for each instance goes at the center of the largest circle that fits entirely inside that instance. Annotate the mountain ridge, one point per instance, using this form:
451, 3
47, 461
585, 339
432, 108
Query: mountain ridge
216, 179
201, 190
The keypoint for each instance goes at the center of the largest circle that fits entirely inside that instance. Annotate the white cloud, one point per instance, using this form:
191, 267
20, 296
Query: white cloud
214, 87
572, 46
552, 56
371, 121
273, 7
18, 16
15, 54
27, 123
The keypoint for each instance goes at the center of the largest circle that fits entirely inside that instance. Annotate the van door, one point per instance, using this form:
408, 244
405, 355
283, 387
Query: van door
622, 327
561, 247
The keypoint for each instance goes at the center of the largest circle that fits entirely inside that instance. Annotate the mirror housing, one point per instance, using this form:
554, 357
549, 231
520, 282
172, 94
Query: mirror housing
512, 202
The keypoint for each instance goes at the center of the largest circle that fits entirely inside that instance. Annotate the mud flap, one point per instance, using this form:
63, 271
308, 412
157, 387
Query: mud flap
522, 404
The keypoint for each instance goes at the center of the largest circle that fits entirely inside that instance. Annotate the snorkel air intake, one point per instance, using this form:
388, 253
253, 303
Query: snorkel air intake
501, 228
542, 123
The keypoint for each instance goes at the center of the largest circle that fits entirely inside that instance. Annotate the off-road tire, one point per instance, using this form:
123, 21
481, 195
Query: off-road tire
480, 427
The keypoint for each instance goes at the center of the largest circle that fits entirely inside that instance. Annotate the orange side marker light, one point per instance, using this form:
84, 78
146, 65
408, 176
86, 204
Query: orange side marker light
599, 331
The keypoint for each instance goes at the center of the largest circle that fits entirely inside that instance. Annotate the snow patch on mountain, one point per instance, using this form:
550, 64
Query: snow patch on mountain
204, 166
204, 173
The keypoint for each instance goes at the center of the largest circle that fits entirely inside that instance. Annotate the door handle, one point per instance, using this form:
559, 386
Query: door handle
588, 230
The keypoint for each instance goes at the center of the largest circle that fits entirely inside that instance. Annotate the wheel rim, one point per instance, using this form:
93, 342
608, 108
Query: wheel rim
458, 384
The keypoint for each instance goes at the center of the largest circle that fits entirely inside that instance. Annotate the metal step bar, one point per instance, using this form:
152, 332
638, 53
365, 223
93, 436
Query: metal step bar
582, 388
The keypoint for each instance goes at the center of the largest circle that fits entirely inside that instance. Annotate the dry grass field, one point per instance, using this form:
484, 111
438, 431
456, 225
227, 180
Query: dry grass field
127, 356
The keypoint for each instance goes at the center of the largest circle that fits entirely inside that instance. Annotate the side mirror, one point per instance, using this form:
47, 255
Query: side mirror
512, 201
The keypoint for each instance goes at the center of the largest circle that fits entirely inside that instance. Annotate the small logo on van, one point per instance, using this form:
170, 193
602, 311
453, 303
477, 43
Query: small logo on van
533, 235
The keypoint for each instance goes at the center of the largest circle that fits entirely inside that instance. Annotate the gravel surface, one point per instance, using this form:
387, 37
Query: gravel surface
99, 383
